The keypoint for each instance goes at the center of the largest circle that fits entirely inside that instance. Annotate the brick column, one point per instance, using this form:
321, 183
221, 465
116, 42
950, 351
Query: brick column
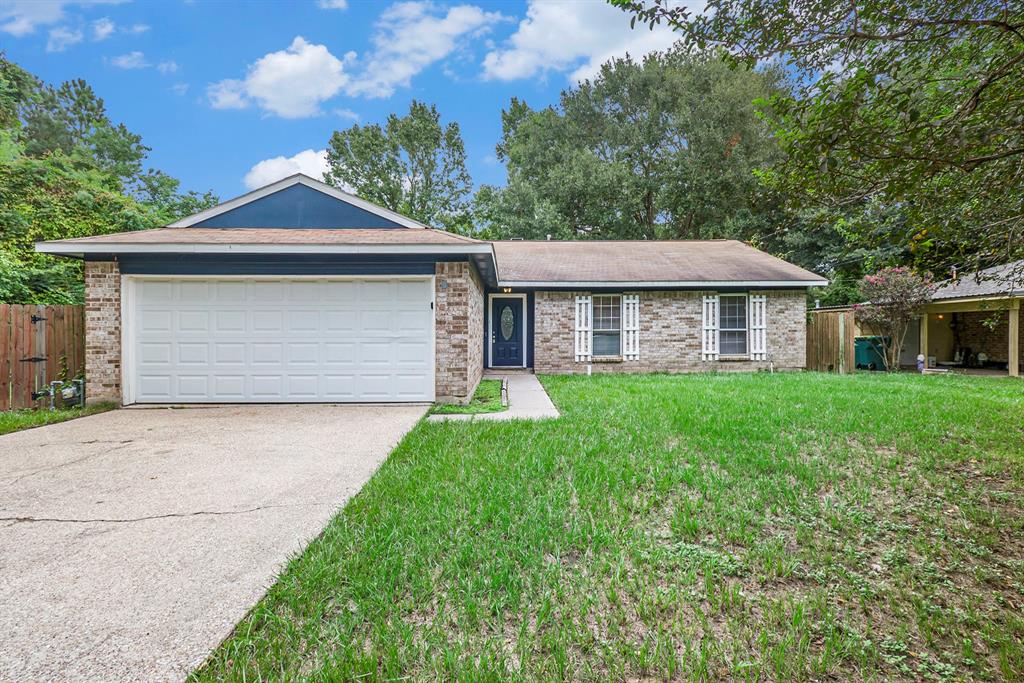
459, 330
102, 331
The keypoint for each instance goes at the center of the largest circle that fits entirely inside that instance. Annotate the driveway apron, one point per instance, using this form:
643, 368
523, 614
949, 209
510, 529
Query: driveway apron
131, 542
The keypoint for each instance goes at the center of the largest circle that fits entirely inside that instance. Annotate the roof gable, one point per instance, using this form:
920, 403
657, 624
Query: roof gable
298, 202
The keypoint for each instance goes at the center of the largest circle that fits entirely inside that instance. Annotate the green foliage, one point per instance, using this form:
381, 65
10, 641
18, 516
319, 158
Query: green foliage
413, 165
664, 148
917, 106
67, 171
894, 297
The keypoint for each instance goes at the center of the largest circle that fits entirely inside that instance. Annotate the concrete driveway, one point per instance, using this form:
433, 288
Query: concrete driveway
131, 542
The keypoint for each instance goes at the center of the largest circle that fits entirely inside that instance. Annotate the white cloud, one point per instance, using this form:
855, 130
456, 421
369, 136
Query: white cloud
227, 94
61, 38
332, 4
22, 17
130, 60
568, 36
311, 162
103, 29
290, 83
346, 114
179, 88
167, 67
409, 37
136, 29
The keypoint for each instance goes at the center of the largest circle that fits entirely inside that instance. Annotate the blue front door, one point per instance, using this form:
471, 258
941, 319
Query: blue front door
507, 336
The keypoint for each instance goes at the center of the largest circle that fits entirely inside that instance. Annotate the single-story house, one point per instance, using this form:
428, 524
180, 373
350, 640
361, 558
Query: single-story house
299, 292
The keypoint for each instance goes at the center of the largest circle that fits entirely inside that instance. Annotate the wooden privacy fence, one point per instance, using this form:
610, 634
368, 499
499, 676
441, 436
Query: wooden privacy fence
830, 341
38, 344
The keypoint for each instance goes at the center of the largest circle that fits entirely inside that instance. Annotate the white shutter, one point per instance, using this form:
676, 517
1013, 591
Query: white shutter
583, 328
631, 326
758, 314
709, 328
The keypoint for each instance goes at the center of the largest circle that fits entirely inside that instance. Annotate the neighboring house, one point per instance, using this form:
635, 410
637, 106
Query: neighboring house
301, 292
974, 321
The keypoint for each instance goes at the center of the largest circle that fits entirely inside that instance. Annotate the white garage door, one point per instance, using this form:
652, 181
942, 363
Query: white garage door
279, 340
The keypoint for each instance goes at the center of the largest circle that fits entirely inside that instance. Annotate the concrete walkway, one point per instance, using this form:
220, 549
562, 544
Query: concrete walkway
527, 399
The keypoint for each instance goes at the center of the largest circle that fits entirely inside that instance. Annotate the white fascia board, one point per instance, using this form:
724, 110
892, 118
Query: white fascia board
81, 249
696, 284
297, 179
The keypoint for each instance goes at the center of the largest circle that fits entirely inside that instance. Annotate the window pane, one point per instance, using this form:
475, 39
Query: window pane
606, 344
732, 313
606, 313
508, 323
733, 343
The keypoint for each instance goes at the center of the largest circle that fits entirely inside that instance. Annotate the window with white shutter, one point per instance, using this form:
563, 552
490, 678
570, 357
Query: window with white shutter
631, 326
583, 328
709, 328
758, 326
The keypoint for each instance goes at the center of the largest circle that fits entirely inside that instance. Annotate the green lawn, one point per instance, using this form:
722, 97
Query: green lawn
753, 527
16, 420
487, 399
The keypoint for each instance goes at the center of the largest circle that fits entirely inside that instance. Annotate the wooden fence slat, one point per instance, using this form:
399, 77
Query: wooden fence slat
5, 357
830, 336
59, 338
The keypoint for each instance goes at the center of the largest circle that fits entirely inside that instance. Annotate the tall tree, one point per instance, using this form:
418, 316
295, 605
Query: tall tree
67, 171
412, 164
914, 105
663, 148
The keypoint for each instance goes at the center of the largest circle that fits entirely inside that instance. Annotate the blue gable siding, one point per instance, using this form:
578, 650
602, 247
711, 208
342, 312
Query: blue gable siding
298, 206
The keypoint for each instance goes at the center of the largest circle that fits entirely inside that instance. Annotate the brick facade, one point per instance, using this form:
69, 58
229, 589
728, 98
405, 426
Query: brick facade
670, 328
459, 326
987, 332
102, 331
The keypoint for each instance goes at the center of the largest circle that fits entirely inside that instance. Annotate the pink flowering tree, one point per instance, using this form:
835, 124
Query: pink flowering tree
893, 297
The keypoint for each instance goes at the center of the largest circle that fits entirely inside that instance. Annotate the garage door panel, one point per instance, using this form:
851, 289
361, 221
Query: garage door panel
283, 340
193, 353
156, 320
193, 386
155, 353
228, 353
303, 321
228, 387
268, 387
268, 321
230, 320
229, 291
193, 292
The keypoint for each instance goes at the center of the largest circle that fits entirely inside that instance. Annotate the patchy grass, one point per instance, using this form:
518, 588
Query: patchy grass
16, 420
753, 527
487, 399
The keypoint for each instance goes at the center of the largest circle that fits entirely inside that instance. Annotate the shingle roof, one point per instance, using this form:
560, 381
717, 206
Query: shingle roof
365, 236
1004, 280
613, 262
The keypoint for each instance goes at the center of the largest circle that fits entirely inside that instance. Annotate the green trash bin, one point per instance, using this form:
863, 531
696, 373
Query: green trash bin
868, 353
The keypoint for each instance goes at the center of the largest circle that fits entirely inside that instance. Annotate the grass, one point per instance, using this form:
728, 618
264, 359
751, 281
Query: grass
487, 399
16, 420
703, 527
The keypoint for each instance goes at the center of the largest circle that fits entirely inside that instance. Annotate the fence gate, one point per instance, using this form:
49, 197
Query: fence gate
38, 344
830, 341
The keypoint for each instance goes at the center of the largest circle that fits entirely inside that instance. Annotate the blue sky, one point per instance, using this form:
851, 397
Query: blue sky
233, 95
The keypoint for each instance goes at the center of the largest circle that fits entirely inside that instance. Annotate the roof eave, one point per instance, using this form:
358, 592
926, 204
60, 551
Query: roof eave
673, 284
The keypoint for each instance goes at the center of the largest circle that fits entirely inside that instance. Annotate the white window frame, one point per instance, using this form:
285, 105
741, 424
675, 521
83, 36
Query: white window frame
593, 324
491, 331
745, 330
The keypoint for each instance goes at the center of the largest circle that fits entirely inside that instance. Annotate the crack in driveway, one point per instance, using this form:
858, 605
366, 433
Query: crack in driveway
199, 513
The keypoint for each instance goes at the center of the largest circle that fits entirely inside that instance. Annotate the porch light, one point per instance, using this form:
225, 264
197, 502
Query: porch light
506, 290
